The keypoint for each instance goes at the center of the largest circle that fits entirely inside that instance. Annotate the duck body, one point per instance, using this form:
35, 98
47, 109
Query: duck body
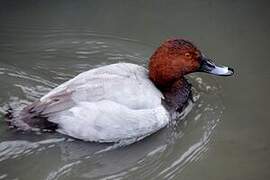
120, 101
105, 104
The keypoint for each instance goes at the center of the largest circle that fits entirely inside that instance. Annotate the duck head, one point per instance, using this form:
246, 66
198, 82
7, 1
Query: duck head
176, 58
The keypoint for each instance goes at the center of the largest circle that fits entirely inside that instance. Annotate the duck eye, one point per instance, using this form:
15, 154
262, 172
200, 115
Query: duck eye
188, 55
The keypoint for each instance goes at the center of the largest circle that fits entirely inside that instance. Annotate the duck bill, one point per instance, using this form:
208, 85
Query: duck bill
208, 66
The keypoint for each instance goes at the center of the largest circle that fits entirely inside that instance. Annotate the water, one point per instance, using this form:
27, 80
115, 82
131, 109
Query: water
224, 134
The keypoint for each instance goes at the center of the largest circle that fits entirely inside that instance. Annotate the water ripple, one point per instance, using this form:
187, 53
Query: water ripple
29, 70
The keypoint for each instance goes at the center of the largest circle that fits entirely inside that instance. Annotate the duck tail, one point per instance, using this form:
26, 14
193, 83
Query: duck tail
9, 113
27, 120
14, 121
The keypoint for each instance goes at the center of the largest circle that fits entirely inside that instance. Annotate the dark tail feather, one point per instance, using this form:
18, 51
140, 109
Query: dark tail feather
35, 115
28, 120
9, 113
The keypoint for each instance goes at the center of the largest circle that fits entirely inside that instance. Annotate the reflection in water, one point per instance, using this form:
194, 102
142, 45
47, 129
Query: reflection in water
57, 57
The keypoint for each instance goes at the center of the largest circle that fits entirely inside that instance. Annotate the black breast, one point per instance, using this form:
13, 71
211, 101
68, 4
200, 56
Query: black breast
177, 95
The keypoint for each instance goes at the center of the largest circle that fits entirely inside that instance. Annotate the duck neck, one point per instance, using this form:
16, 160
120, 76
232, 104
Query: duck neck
177, 94
163, 74
173, 85
164, 79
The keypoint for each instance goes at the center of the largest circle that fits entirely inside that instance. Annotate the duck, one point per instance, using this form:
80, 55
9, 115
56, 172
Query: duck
120, 101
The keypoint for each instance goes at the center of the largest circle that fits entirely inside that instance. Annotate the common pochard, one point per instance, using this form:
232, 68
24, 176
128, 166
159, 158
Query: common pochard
120, 101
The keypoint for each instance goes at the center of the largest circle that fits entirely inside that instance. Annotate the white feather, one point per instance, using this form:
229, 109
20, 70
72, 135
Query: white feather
109, 104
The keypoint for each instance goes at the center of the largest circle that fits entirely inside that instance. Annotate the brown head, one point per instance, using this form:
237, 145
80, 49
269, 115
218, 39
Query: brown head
176, 58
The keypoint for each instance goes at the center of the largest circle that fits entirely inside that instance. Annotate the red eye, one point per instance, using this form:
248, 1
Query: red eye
188, 55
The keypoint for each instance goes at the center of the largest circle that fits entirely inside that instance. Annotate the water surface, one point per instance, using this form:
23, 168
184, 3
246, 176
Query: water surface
224, 134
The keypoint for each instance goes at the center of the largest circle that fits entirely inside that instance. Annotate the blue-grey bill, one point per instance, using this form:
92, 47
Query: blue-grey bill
208, 66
